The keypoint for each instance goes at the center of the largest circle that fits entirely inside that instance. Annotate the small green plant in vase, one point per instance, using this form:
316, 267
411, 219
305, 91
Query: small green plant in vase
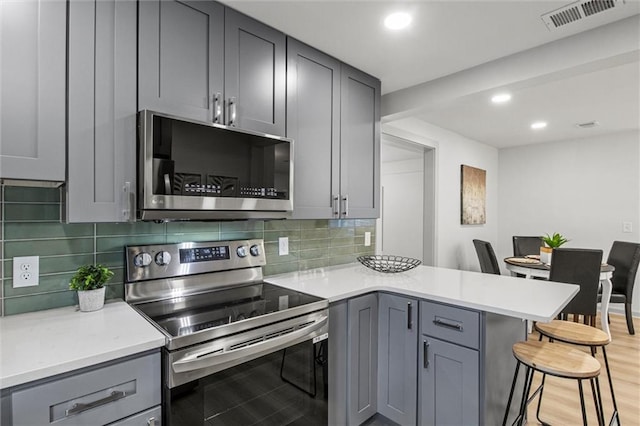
551, 242
89, 281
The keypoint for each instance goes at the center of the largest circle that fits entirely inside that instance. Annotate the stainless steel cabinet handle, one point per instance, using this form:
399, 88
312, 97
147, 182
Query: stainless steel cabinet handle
445, 324
425, 354
80, 407
151, 421
336, 211
345, 206
217, 107
233, 107
409, 315
128, 203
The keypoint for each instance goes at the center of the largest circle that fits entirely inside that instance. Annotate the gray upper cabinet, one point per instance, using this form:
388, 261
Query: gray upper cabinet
359, 145
333, 116
362, 358
254, 86
102, 111
181, 58
32, 84
313, 122
397, 358
200, 60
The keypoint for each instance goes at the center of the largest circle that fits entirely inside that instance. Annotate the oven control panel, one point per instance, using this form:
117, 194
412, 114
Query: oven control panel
173, 260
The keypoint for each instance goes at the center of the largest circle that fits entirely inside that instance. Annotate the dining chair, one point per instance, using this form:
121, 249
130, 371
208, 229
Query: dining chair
625, 257
524, 245
487, 257
582, 267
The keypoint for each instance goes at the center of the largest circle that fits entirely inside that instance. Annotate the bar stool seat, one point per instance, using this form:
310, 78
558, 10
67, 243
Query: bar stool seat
582, 335
557, 360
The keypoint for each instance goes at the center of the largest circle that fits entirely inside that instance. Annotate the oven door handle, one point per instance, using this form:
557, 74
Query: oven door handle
195, 362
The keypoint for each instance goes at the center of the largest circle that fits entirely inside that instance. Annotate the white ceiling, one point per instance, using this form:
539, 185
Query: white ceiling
449, 36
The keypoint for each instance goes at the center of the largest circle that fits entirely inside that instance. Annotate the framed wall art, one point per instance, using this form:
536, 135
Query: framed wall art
473, 194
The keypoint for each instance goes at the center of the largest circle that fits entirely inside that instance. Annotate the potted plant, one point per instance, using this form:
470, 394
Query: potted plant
551, 242
89, 281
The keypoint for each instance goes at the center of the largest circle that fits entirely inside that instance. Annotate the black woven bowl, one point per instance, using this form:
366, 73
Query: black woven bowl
389, 264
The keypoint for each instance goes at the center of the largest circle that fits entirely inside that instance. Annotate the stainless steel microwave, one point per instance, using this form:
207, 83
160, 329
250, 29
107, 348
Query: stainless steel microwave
192, 170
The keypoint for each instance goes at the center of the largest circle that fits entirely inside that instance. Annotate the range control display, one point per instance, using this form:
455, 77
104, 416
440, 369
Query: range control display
204, 254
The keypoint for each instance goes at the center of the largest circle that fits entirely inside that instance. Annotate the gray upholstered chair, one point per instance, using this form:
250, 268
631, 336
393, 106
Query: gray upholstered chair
625, 257
487, 257
523, 246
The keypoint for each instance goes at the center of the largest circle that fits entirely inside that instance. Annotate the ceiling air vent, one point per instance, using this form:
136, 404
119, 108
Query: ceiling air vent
577, 11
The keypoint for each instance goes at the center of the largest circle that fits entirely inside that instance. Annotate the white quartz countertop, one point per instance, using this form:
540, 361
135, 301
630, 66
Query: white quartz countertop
40, 344
528, 299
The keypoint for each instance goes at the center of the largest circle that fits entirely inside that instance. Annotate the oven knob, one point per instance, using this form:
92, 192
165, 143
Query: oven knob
255, 250
163, 258
242, 251
142, 260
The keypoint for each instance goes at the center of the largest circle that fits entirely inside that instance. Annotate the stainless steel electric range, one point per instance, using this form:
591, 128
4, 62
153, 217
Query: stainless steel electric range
238, 351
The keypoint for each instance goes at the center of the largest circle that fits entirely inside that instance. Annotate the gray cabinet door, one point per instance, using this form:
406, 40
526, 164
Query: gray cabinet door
254, 74
102, 110
449, 384
313, 122
362, 358
32, 84
181, 48
360, 144
397, 358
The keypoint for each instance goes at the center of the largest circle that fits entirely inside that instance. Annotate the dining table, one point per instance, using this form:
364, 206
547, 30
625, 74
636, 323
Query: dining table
531, 267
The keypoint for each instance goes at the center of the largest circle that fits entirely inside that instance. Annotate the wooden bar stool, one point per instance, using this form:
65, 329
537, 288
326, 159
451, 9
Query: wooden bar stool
557, 360
581, 335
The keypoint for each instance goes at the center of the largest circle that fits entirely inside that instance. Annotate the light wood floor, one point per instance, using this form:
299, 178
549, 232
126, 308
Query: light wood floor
561, 401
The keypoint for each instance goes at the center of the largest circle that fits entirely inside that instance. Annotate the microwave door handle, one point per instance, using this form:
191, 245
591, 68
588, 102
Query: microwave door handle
193, 362
167, 184
233, 109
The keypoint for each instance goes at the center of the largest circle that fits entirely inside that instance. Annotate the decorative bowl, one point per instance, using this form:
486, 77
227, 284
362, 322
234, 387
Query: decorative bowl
389, 263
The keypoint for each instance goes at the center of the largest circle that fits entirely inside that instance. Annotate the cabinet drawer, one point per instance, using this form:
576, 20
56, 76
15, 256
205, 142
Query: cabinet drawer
455, 325
152, 417
94, 397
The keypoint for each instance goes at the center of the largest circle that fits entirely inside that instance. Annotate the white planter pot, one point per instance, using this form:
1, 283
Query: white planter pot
91, 300
545, 255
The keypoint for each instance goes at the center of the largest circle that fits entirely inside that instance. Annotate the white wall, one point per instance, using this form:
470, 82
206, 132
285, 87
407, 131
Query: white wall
454, 247
582, 188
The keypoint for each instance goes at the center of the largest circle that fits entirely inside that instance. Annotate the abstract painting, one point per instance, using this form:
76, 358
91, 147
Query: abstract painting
473, 192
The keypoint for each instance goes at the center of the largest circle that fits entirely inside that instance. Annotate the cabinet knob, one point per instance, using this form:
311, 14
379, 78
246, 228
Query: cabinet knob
151, 421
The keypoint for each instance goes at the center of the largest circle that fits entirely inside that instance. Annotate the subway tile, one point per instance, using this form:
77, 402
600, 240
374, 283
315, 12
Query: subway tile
32, 212
39, 302
26, 230
62, 246
339, 242
192, 227
47, 284
342, 223
242, 226
313, 263
341, 232
368, 223
362, 229
273, 249
137, 228
26, 194
1, 304
240, 235
318, 253
200, 237
314, 234
342, 250
341, 260
282, 225
314, 224
280, 268
117, 244
114, 291
313, 244
112, 259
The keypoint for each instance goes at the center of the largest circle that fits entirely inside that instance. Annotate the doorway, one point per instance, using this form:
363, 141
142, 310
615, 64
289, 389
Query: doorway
407, 216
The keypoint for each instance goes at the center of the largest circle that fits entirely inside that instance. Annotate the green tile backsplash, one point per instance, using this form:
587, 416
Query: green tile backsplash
30, 226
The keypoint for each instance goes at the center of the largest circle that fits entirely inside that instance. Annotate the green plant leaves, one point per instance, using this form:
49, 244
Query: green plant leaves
555, 240
90, 277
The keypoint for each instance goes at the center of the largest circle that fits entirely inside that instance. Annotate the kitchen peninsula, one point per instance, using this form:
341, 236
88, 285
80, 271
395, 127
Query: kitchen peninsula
396, 338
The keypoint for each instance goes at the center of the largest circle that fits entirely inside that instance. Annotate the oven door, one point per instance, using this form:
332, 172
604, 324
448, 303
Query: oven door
287, 387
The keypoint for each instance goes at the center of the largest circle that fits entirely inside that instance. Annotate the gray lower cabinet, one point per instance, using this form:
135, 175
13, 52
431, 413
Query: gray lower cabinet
123, 392
203, 61
102, 111
397, 358
353, 360
32, 105
333, 115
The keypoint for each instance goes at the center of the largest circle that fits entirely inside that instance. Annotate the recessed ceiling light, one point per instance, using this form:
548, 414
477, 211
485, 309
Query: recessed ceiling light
539, 125
501, 98
397, 21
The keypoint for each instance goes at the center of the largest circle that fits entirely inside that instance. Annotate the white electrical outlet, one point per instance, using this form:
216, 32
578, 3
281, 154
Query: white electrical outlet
627, 227
367, 239
283, 246
26, 271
